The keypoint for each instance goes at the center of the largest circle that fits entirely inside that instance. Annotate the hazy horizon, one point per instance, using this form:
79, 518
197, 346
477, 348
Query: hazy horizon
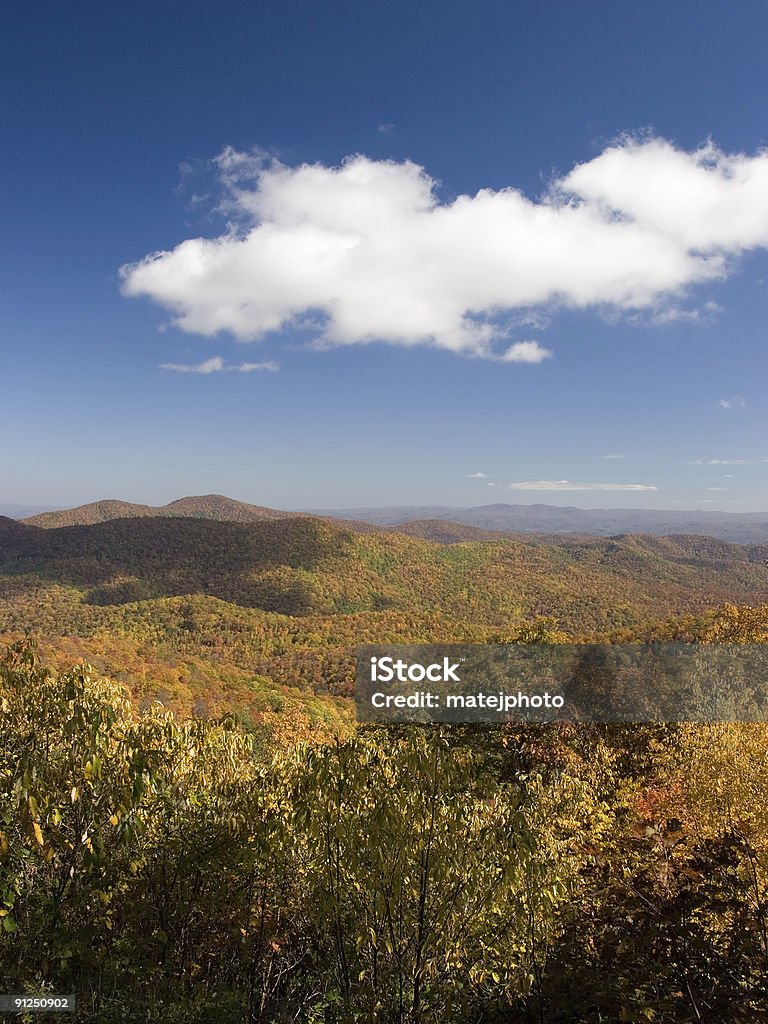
33, 508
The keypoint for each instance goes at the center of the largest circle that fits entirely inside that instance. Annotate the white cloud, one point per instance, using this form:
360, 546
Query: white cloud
370, 248
525, 352
213, 365
717, 488
675, 314
736, 402
707, 201
269, 365
614, 455
728, 462
217, 365
568, 485
477, 476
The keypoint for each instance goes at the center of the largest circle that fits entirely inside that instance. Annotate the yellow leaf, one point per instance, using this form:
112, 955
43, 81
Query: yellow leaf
38, 833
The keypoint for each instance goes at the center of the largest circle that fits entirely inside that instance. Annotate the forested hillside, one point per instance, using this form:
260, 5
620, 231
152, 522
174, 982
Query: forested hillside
196, 871
194, 829
174, 606
306, 566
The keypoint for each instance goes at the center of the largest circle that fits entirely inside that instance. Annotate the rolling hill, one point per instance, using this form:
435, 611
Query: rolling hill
208, 506
218, 614
303, 566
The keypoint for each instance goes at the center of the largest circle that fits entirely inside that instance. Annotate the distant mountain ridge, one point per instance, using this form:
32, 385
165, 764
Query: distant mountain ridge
736, 527
443, 524
13, 510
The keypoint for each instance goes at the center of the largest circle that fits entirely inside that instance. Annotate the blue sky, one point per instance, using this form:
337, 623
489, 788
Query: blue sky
527, 335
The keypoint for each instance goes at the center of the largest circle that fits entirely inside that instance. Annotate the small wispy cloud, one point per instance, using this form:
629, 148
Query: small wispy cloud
614, 455
269, 365
385, 128
736, 402
213, 365
217, 365
675, 314
717, 488
526, 352
569, 485
728, 462
477, 476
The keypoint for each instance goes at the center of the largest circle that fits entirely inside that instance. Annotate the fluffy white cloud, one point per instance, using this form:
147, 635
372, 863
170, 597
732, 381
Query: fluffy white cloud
217, 365
477, 476
525, 352
370, 248
706, 201
737, 402
568, 485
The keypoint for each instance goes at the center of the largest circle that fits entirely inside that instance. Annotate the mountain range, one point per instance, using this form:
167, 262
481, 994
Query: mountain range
300, 565
213, 602
444, 524
737, 527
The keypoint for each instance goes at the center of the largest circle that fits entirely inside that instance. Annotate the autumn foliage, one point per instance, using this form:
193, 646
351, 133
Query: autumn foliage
194, 870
